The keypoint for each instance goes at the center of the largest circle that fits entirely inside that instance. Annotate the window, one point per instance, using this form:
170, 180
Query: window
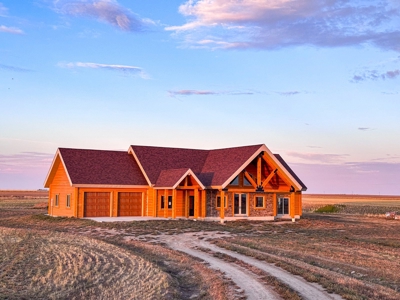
235, 181
219, 201
162, 202
246, 182
56, 200
68, 202
259, 202
169, 202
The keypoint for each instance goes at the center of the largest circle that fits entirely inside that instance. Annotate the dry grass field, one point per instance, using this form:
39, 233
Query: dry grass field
353, 204
353, 254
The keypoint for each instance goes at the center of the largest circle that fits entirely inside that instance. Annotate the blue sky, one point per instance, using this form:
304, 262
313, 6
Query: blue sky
316, 81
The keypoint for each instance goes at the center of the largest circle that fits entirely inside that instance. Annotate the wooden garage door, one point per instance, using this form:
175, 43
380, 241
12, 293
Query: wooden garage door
129, 204
97, 204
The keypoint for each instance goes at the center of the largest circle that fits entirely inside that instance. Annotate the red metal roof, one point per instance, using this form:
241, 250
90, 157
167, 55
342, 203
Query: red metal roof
101, 167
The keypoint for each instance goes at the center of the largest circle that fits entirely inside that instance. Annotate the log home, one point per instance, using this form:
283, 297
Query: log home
246, 182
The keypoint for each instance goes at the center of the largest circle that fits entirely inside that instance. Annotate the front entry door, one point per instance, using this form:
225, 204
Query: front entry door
191, 206
240, 202
283, 206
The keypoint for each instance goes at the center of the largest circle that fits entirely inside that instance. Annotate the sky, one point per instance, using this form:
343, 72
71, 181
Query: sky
317, 81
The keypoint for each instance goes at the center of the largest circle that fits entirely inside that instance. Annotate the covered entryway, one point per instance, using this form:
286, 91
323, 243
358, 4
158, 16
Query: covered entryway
283, 206
129, 204
97, 204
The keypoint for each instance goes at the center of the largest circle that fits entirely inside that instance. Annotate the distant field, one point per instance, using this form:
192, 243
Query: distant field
356, 204
23, 194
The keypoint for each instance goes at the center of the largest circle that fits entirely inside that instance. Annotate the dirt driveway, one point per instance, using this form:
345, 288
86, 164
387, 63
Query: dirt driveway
249, 282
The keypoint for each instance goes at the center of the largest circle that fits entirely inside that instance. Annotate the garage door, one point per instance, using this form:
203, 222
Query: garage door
97, 204
129, 204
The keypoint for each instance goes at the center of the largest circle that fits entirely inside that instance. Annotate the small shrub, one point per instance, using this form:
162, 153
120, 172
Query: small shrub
328, 209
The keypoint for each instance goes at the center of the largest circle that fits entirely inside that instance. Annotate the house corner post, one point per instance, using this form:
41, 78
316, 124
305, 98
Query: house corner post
292, 206
196, 203
165, 203
222, 207
174, 203
274, 204
203, 203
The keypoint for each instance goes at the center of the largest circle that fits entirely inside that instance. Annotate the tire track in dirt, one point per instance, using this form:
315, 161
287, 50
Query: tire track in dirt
187, 241
246, 280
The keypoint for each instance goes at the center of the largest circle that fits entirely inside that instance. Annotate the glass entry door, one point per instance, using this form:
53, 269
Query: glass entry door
283, 206
240, 203
191, 206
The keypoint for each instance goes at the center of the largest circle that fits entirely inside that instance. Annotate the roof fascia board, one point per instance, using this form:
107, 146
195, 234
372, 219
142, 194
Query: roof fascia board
247, 162
130, 151
297, 186
110, 186
58, 154
51, 168
189, 172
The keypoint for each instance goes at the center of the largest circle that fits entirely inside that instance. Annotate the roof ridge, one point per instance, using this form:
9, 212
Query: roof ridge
100, 150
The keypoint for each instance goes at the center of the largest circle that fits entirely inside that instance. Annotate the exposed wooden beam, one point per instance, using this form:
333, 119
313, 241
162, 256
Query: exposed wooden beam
250, 179
192, 187
259, 171
269, 161
268, 179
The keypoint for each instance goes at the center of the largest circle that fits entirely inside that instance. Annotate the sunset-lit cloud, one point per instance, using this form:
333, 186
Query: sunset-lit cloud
351, 177
274, 24
108, 11
120, 68
12, 30
25, 161
319, 157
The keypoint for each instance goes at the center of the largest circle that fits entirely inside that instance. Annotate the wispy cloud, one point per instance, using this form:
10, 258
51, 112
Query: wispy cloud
350, 178
289, 93
364, 128
21, 162
12, 68
12, 30
376, 75
319, 157
128, 70
174, 93
243, 24
3, 10
191, 92
108, 11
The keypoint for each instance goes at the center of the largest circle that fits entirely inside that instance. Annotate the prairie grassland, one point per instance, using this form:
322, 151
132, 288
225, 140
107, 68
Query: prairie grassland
54, 258
354, 256
38, 264
353, 204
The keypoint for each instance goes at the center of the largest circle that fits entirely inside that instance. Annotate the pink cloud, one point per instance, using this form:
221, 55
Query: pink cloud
108, 11
273, 24
372, 178
319, 157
